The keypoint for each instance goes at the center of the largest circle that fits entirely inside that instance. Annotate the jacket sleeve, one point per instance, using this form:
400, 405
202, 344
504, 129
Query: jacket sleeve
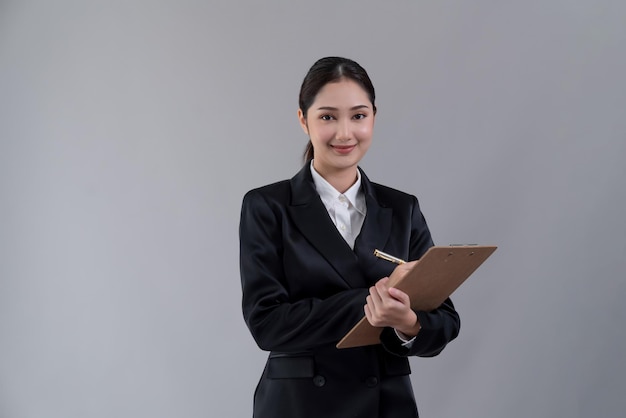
276, 322
439, 326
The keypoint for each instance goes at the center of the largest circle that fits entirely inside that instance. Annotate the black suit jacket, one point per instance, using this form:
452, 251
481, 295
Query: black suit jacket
304, 288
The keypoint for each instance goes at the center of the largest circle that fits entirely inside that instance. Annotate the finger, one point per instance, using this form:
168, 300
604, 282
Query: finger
399, 295
371, 308
382, 283
375, 296
370, 303
372, 318
403, 267
380, 287
402, 270
383, 292
371, 313
384, 280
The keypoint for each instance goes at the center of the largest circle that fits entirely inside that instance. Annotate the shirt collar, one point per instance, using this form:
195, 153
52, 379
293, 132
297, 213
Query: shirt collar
328, 193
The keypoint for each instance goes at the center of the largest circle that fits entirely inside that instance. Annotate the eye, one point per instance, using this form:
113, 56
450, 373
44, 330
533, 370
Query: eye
326, 117
359, 116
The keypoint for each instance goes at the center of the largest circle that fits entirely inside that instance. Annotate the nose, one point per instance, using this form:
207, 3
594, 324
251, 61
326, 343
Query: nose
343, 131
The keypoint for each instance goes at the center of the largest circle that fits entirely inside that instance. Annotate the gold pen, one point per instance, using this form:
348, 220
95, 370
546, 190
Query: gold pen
388, 257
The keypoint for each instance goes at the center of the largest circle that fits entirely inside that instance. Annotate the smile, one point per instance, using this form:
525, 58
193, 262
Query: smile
343, 149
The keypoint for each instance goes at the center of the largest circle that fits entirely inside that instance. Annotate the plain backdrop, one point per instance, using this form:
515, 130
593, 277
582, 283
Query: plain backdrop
129, 132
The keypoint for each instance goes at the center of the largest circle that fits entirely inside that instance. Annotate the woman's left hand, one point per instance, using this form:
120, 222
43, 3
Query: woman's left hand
389, 307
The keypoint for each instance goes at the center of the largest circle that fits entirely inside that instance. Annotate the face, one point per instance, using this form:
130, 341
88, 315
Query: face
340, 123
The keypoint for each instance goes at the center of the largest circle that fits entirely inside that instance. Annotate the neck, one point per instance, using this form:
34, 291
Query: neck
341, 180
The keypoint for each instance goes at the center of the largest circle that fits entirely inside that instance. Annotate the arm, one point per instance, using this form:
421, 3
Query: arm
275, 320
437, 329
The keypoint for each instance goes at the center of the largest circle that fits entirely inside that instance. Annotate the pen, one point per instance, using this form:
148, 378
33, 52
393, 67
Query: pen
388, 257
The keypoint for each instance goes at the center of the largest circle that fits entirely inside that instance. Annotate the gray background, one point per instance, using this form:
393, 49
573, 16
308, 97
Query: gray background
129, 132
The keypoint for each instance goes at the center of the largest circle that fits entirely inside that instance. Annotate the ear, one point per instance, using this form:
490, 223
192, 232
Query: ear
302, 120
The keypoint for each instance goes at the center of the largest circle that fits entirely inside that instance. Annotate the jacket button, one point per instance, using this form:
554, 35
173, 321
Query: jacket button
371, 381
319, 381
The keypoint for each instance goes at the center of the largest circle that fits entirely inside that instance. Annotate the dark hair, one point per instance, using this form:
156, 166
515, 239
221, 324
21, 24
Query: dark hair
329, 70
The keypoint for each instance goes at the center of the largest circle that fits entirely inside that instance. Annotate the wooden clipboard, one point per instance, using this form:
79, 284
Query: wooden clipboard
440, 271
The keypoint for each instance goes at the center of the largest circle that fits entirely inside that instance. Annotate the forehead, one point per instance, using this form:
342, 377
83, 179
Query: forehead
343, 92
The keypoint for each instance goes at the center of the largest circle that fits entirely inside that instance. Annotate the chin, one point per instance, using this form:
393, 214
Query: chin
348, 163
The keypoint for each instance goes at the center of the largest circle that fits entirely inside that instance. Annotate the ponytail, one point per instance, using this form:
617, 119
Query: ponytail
308, 152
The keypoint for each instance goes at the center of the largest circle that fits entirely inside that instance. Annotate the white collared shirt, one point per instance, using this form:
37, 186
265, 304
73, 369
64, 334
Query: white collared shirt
346, 210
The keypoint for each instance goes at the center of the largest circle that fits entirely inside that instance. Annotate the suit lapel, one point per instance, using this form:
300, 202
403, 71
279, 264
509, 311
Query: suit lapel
311, 218
376, 227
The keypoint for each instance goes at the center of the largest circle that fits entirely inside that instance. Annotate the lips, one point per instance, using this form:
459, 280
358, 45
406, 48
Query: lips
343, 149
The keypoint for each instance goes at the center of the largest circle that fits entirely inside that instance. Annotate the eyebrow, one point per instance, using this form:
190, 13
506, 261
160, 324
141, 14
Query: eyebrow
335, 109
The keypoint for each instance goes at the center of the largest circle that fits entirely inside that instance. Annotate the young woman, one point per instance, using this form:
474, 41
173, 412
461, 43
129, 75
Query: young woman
308, 272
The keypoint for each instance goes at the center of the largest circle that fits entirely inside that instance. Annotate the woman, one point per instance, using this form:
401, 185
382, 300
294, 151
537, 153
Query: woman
308, 271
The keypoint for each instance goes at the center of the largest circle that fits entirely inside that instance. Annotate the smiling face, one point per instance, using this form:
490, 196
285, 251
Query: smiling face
340, 123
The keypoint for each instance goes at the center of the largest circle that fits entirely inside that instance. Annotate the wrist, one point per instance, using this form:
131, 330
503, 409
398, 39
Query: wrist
413, 326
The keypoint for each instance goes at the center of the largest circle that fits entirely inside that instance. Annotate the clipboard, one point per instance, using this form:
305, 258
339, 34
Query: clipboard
440, 271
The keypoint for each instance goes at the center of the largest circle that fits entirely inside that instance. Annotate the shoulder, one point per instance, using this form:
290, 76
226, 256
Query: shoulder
386, 191
276, 192
387, 196
295, 190
264, 206
390, 197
